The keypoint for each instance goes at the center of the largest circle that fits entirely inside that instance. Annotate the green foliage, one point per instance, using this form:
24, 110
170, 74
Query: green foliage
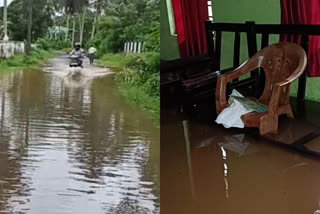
134, 20
52, 44
152, 40
42, 19
118, 21
144, 62
43, 44
152, 85
139, 75
36, 57
66, 50
73, 6
142, 99
115, 61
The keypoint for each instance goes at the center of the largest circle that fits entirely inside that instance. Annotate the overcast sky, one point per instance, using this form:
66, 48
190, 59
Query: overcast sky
8, 2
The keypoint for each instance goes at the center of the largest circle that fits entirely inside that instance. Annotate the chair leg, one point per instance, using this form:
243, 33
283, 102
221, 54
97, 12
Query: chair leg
268, 124
288, 111
290, 114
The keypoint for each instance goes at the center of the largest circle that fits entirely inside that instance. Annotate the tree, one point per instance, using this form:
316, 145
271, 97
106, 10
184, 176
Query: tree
68, 22
73, 8
81, 24
128, 20
5, 22
97, 5
106, 23
41, 19
73, 30
29, 31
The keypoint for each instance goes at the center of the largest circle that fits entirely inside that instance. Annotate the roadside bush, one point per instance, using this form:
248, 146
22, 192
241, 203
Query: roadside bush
141, 70
43, 44
152, 85
152, 40
55, 44
139, 77
36, 57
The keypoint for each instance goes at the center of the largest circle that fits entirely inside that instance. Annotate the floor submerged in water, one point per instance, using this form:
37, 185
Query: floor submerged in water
208, 169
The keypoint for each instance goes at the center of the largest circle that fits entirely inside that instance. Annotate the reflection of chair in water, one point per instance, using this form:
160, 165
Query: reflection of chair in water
187, 139
210, 146
282, 63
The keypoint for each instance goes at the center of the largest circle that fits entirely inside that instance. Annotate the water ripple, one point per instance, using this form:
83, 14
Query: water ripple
73, 150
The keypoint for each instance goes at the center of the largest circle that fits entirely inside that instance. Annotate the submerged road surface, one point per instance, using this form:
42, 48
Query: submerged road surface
74, 146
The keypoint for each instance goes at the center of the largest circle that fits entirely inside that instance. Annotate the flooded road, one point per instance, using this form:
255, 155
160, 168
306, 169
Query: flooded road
208, 169
70, 148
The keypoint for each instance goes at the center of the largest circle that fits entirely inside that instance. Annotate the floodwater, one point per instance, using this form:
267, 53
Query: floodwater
70, 148
209, 169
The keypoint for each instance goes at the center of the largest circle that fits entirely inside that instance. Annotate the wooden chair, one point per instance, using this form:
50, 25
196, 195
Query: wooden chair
282, 63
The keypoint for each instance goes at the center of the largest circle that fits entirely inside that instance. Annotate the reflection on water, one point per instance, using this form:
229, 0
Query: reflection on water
232, 172
74, 150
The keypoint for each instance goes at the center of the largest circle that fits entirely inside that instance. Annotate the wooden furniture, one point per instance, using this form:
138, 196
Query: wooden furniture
192, 80
252, 32
176, 70
282, 63
179, 80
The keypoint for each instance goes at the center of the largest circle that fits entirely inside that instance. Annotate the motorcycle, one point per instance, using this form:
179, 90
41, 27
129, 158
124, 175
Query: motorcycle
75, 61
75, 71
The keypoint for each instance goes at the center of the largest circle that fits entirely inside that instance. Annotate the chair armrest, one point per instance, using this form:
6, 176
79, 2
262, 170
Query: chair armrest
251, 64
275, 98
276, 93
221, 101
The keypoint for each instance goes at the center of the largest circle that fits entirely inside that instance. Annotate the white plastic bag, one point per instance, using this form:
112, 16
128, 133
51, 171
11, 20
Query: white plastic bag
231, 116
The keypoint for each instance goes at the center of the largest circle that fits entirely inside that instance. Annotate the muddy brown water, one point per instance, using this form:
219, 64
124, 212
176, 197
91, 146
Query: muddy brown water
208, 169
74, 149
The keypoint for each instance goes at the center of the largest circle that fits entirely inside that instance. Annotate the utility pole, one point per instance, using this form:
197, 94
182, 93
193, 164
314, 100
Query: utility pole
5, 22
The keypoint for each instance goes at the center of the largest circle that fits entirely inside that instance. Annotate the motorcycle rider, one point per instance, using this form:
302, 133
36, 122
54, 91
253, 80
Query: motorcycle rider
78, 51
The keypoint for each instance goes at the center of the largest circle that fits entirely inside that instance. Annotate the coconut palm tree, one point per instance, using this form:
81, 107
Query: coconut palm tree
73, 8
5, 24
29, 29
97, 4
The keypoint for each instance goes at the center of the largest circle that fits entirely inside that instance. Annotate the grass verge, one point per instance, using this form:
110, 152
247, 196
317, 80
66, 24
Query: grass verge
138, 77
115, 61
142, 99
34, 60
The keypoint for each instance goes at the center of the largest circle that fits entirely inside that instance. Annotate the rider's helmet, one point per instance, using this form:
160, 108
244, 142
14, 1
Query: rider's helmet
77, 45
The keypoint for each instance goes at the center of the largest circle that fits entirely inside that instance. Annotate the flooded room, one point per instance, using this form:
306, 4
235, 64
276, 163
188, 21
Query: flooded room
240, 107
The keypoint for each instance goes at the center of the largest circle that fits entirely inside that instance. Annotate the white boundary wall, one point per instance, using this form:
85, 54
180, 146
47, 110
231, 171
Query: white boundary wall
10, 48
